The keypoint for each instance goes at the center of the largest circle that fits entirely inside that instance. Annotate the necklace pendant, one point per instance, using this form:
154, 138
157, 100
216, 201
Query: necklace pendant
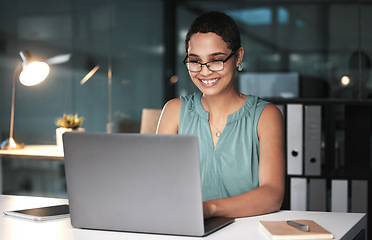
218, 134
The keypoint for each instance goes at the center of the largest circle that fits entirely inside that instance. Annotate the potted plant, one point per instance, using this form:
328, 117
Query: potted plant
68, 123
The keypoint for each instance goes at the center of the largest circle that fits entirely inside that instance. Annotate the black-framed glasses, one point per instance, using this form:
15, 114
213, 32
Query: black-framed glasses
215, 65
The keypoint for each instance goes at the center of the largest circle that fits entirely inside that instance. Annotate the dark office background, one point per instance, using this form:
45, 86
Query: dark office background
142, 44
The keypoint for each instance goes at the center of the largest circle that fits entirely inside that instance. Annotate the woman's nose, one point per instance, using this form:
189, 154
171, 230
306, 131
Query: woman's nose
205, 70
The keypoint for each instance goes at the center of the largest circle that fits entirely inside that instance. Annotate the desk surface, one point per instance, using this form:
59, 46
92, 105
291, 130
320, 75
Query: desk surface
51, 152
342, 225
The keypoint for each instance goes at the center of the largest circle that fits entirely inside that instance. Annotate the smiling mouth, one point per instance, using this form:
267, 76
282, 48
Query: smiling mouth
209, 82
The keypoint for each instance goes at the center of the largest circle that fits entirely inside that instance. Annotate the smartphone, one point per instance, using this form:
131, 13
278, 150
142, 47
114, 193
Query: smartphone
42, 213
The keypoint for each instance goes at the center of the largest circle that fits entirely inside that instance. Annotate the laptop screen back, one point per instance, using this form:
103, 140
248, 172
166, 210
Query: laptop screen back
134, 182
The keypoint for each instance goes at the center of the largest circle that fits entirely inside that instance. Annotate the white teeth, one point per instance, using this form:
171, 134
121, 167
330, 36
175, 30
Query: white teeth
209, 81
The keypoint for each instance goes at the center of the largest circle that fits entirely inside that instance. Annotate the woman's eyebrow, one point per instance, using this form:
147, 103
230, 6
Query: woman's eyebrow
218, 53
192, 55
212, 54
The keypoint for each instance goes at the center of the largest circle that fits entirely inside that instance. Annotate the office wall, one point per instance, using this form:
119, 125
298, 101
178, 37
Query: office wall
121, 35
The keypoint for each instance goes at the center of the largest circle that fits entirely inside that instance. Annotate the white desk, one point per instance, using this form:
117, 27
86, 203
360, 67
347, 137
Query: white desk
342, 225
51, 152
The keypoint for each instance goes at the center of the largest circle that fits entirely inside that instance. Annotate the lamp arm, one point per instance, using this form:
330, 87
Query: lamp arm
15, 75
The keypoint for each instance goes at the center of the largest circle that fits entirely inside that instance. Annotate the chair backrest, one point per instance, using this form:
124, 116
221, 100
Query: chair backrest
149, 120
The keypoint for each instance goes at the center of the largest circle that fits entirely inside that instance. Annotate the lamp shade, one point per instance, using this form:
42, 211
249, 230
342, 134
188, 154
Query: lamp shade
34, 73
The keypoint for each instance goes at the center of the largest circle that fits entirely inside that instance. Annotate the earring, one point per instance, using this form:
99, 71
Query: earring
240, 67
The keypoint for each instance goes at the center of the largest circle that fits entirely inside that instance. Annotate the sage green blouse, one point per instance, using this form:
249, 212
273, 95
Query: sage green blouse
231, 168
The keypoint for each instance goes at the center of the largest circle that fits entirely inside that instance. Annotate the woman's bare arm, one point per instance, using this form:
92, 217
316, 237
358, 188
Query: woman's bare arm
168, 122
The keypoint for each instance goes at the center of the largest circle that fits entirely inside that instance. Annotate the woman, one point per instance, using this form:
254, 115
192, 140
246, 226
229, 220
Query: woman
240, 137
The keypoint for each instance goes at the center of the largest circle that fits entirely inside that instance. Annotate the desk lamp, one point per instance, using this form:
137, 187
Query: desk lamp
30, 73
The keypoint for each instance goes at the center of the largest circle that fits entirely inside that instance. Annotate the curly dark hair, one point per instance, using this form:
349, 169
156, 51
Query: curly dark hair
218, 23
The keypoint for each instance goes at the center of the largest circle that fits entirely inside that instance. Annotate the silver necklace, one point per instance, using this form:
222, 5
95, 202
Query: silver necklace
218, 133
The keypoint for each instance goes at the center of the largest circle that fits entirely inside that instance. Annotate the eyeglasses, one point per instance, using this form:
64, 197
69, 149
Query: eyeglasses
215, 65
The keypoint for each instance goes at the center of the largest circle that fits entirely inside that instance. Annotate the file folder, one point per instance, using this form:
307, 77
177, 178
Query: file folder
294, 139
339, 196
317, 195
313, 134
359, 196
298, 194
285, 230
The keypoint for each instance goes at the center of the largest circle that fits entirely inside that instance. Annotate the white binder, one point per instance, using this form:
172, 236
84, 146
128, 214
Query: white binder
298, 194
339, 196
294, 139
312, 139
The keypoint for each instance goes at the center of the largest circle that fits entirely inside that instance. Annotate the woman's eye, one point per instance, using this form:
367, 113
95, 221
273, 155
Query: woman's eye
193, 61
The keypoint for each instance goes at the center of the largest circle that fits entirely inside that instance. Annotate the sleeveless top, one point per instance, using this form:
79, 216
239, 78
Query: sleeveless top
230, 168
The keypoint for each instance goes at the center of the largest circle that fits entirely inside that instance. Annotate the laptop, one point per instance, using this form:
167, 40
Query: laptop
136, 183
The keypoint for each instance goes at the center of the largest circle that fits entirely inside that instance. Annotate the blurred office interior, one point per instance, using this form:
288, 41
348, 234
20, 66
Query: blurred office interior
296, 51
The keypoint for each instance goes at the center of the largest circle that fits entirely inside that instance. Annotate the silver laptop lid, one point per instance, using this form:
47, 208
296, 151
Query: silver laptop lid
134, 182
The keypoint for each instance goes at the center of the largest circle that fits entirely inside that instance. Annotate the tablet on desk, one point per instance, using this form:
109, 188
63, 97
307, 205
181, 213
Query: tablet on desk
42, 213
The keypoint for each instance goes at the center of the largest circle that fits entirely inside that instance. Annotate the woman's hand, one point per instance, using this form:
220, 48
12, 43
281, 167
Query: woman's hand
207, 211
